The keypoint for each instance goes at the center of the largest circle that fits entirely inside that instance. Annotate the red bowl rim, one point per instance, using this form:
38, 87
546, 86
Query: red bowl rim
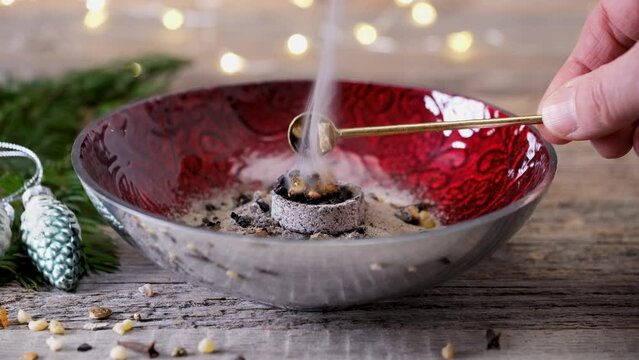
534, 194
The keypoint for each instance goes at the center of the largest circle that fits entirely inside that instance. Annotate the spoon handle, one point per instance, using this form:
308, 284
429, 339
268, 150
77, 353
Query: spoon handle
437, 126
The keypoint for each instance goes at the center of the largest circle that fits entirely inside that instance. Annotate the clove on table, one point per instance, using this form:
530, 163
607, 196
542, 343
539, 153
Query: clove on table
147, 349
492, 339
84, 347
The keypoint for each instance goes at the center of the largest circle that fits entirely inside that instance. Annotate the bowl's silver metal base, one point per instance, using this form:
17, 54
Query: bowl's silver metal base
309, 275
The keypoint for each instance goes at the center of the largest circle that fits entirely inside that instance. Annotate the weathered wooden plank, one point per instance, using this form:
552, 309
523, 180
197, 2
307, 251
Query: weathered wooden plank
560, 288
371, 343
564, 287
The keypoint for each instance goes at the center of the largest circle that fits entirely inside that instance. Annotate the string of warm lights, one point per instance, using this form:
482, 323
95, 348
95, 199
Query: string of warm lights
173, 19
232, 63
136, 69
297, 44
403, 3
95, 19
460, 42
96, 5
365, 34
304, 4
422, 14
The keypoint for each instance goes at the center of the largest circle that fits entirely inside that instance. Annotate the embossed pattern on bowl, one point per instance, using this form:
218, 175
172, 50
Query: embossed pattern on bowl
143, 163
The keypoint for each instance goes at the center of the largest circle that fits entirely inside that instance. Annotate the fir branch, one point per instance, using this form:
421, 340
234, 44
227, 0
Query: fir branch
46, 115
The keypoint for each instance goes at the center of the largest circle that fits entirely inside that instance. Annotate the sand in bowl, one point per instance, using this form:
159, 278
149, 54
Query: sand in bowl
249, 213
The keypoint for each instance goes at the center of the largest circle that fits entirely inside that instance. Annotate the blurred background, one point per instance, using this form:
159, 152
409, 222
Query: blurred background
502, 51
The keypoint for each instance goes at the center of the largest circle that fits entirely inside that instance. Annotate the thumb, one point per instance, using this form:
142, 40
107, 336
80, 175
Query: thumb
596, 104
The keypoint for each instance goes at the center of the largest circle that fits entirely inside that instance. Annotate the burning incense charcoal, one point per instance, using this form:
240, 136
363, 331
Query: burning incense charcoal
331, 216
310, 189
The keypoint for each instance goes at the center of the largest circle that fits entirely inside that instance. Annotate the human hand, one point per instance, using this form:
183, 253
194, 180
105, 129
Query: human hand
595, 94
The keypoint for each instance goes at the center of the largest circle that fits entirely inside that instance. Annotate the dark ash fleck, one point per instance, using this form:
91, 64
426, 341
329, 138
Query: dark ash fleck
242, 221
263, 205
210, 207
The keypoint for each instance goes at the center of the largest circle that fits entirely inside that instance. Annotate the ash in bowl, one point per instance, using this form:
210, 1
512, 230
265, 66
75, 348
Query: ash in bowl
295, 209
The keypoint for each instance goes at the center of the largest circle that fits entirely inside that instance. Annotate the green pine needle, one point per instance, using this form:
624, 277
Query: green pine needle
46, 115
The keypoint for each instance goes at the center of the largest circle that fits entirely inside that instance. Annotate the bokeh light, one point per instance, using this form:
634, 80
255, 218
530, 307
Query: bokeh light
403, 3
231, 63
173, 19
424, 14
304, 4
7, 2
365, 33
297, 44
136, 69
460, 42
96, 5
95, 19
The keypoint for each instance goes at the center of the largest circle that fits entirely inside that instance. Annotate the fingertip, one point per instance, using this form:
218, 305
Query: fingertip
559, 112
610, 150
614, 145
550, 137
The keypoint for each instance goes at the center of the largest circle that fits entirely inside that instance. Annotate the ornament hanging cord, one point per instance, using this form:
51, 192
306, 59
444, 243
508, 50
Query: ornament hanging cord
50, 231
10, 150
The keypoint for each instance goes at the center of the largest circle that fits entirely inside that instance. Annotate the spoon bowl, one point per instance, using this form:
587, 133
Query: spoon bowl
327, 133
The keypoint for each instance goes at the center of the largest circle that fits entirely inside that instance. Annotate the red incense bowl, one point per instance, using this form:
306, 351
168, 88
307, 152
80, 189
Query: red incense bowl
142, 164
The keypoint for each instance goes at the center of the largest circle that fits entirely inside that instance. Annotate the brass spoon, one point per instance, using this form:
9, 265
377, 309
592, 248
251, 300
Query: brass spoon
329, 133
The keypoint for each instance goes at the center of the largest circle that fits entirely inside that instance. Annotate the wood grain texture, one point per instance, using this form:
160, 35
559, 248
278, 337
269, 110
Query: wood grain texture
565, 287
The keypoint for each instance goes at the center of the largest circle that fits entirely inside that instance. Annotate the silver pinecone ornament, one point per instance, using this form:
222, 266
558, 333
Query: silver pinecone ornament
51, 234
6, 218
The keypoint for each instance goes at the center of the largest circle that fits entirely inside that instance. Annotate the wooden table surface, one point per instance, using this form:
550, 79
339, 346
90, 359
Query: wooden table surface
565, 287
